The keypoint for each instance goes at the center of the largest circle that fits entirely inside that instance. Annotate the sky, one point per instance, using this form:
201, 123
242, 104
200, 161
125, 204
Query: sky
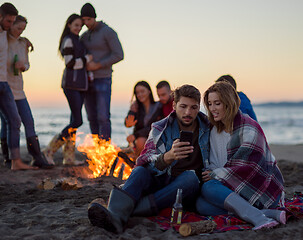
259, 43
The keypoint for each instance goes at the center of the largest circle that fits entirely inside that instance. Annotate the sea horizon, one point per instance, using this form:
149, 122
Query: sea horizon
282, 122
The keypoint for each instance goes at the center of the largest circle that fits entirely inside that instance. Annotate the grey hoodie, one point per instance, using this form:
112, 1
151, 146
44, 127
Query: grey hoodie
103, 43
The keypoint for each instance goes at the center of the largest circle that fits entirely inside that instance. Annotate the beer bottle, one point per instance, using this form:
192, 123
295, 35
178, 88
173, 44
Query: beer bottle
176, 214
16, 71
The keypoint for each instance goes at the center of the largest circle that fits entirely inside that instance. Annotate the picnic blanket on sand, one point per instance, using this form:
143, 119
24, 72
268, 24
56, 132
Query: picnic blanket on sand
293, 208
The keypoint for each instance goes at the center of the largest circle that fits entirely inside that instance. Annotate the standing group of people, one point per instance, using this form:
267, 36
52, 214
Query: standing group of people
86, 80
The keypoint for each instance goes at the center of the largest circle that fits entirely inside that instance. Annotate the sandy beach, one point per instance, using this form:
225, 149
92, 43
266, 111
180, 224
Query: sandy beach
27, 212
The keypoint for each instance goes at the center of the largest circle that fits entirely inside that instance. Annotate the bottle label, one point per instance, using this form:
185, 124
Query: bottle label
179, 220
172, 215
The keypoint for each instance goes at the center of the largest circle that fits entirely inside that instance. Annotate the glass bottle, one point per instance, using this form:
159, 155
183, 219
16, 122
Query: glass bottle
16, 71
176, 214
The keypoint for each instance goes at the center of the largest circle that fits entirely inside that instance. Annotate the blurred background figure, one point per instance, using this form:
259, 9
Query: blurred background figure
143, 112
74, 84
165, 97
245, 105
16, 64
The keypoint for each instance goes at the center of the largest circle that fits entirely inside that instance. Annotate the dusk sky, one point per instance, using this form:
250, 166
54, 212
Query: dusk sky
260, 43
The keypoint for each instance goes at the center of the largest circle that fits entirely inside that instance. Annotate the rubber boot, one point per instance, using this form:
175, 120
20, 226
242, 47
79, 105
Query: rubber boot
278, 215
7, 162
236, 204
33, 148
115, 217
69, 153
145, 208
51, 148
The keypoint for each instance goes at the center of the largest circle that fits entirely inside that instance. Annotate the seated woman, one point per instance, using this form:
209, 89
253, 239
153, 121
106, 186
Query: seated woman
143, 112
243, 176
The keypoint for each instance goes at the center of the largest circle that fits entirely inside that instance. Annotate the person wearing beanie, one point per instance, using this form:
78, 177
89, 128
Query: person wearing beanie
8, 108
103, 43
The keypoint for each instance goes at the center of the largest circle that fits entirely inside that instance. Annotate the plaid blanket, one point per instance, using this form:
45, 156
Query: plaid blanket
293, 208
251, 169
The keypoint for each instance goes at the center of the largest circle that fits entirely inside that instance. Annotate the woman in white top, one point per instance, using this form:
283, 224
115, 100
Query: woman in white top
243, 175
17, 63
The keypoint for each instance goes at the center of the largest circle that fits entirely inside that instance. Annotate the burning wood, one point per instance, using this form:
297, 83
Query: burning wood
103, 158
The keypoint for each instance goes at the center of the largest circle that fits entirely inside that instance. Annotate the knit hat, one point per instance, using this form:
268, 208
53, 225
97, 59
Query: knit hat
88, 11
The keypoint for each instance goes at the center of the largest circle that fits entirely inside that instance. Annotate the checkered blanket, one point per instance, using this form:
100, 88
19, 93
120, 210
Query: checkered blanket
293, 208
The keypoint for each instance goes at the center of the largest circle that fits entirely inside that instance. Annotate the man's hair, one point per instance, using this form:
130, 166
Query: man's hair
231, 103
8, 9
187, 91
229, 79
162, 84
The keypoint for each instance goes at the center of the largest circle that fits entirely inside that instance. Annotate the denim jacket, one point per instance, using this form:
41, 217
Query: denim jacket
161, 137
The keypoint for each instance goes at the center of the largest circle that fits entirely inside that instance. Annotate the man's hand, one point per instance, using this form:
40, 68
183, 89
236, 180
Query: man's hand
93, 66
130, 121
206, 176
20, 66
179, 150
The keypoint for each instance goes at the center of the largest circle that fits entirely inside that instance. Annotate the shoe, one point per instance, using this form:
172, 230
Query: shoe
51, 148
242, 208
115, 217
33, 148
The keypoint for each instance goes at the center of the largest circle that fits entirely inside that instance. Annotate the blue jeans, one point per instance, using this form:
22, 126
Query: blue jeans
97, 105
163, 189
211, 200
75, 101
26, 117
213, 195
10, 115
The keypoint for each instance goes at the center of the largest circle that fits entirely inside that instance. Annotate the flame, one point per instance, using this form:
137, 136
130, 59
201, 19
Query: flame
101, 156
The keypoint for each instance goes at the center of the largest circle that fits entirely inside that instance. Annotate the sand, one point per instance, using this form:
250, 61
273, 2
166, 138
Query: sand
27, 212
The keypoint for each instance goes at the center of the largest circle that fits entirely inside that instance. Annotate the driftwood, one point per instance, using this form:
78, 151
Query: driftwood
194, 228
65, 183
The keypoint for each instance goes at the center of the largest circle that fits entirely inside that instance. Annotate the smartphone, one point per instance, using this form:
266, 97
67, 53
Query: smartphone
186, 136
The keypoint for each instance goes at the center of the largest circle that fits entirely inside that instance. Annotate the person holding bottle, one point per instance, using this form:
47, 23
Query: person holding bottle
8, 108
74, 84
243, 177
18, 63
143, 112
165, 165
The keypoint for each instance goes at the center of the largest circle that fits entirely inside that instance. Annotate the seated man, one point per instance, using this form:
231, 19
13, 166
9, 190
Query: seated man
164, 94
165, 165
245, 105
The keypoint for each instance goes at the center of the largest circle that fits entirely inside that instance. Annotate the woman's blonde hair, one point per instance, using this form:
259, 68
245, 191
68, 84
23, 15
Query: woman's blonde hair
231, 103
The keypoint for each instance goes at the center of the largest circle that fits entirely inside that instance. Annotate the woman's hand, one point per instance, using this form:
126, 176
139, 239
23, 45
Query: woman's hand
89, 58
131, 138
93, 66
206, 176
130, 121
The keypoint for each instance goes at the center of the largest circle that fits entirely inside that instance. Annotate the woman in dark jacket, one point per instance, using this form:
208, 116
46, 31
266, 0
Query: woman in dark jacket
74, 84
143, 112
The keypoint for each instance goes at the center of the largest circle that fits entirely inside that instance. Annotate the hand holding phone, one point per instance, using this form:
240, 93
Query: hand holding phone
186, 136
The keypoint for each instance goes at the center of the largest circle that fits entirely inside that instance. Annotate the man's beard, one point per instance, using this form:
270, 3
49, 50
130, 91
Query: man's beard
185, 124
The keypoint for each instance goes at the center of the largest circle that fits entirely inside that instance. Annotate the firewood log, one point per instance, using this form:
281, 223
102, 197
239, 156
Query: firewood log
194, 228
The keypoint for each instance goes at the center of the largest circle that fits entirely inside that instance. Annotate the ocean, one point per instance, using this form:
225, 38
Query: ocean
282, 124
